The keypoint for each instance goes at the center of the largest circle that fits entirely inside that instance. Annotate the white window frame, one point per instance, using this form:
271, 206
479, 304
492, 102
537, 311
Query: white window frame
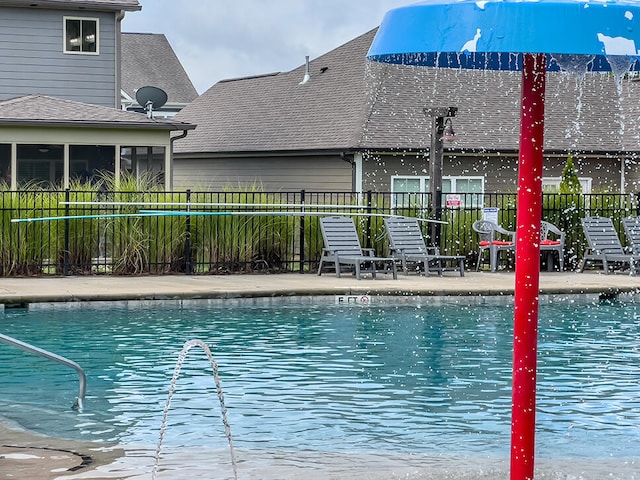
64, 35
424, 186
585, 183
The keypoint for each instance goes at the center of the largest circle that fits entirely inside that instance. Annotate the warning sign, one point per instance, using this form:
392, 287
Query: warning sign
453, 200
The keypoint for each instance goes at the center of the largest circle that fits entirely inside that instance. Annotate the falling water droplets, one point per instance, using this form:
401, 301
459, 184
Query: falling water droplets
620, 65
172, 388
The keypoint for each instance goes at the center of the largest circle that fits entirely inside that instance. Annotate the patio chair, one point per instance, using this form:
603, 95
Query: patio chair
342, 247
552, 240
632, 232
604, 246
406, 243
491, 235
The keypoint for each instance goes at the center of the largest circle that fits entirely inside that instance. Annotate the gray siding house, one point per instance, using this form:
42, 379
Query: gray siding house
357, 126
60, 115
64, 49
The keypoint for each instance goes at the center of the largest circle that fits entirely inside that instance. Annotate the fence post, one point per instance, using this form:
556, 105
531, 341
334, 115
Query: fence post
187, 238
65, 253
302, 225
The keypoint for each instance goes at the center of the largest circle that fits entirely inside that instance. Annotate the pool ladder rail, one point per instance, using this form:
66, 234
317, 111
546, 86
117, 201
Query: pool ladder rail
78, 404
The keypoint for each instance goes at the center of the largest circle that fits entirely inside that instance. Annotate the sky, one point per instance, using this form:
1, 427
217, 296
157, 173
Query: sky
220, 39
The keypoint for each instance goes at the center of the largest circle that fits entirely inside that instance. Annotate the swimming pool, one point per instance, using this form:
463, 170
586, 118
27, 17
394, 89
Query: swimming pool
393, 378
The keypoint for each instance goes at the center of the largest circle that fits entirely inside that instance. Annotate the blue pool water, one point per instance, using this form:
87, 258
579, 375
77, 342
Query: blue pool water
333, 378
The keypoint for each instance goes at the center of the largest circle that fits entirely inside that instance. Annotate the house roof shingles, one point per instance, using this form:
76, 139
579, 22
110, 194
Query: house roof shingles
362, 105
274, 112
148, 59
41, 110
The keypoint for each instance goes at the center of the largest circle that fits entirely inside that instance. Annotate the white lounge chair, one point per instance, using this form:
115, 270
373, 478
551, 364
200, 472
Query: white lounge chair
342, 247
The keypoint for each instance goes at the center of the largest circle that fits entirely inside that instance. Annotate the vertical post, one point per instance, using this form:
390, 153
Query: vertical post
65, 253
525, 336
435, 177
436, 150
187, 238
302, 227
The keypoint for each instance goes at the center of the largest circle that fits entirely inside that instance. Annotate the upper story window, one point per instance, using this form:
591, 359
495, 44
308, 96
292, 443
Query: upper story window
81, 35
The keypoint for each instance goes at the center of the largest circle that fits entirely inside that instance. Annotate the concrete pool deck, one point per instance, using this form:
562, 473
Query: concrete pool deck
24, 455
16, 292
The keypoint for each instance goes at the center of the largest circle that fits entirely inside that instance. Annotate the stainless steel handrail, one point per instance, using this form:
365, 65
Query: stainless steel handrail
77, 405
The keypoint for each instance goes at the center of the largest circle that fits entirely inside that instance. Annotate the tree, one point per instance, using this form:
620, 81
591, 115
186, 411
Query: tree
570, 182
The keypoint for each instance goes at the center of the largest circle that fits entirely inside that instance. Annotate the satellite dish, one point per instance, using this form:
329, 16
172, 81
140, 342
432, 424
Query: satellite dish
151, 97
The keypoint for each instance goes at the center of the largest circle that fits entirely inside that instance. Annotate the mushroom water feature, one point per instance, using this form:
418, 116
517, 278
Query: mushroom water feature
533, 37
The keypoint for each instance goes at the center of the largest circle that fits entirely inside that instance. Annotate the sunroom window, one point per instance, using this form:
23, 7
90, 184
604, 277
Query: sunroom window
80, 35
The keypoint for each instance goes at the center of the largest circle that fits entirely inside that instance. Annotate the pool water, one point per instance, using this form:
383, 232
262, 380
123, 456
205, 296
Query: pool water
331, 378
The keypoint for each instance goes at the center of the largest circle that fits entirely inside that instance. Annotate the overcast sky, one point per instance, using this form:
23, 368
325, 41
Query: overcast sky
218, 39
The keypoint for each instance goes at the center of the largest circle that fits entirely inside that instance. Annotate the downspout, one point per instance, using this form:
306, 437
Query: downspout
169, 180
356, 170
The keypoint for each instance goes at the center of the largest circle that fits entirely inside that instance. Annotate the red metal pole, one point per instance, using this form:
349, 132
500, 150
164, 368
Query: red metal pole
525, 336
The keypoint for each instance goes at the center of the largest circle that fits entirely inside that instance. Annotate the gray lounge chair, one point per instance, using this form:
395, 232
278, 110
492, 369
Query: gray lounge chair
604, 246
552, 240
342, 247
632, 232
492, 240
406, 243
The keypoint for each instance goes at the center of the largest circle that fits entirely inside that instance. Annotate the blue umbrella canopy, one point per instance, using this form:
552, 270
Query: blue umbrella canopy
492, 35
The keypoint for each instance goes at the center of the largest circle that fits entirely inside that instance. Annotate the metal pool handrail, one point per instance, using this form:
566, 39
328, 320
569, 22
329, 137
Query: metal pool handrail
77, 405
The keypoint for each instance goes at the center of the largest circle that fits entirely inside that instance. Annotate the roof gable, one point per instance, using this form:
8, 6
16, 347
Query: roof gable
148, 59
275, 112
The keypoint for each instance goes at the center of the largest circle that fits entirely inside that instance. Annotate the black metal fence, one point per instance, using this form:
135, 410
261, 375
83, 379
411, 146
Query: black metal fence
97, 232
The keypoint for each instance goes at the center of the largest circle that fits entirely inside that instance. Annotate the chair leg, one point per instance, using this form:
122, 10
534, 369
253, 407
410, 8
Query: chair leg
493, 259
462, 267
439, 266
357, 270
337, 269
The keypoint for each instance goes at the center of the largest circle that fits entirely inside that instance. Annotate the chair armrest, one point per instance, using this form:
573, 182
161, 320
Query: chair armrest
504, 231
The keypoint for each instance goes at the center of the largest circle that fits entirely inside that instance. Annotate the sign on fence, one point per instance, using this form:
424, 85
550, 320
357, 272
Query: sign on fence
453, 200
490, 214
